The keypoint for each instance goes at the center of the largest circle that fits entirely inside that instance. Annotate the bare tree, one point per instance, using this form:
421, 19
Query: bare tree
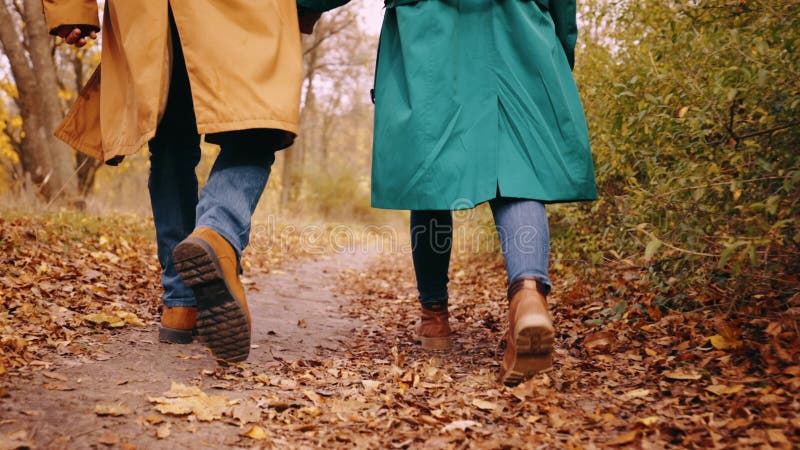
328, 55
29, 48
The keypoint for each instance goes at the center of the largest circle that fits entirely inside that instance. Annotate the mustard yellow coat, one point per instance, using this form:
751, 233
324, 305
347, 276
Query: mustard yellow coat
243, 59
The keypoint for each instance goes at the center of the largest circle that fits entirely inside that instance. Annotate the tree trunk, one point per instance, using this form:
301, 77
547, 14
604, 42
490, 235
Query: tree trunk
41, 54
86, 166
34, 149
294, 157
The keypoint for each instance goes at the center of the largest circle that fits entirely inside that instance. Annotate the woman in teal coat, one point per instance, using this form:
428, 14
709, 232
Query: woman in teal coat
474, 102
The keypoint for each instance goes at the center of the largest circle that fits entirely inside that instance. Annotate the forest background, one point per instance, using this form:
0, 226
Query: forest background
692, 106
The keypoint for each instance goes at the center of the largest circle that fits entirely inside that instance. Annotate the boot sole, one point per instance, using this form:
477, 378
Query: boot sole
221, 320
534, 345
174, 336
438, 343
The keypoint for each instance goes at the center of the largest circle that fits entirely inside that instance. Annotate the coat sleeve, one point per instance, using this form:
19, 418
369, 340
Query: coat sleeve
71, 12
319, 5
564, 14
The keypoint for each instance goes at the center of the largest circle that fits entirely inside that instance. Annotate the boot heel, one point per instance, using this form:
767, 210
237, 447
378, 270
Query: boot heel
173, 336
525, 367
535, 336
438, 343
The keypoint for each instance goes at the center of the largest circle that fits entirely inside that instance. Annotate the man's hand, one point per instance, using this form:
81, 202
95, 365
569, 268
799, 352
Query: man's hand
307, 21
76, 35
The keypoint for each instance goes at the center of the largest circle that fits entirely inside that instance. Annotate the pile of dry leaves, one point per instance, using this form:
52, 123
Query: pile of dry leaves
627, 372
626, 375
66, 276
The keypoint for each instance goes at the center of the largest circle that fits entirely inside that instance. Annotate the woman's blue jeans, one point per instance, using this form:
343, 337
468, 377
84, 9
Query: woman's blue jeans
524, 239
228, 200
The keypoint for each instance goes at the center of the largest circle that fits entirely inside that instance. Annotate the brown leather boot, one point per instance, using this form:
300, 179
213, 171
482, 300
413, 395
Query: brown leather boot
433, 329
177, 324
529, 341
208, 265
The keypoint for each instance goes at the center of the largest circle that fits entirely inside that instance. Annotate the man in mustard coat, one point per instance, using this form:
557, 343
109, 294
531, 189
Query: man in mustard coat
171, 72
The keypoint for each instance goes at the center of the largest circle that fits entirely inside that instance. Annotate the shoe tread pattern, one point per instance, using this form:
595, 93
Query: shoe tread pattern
534, 347
221, 321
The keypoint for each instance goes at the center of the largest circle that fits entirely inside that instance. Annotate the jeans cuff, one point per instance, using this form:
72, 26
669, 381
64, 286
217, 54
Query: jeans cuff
234, 242
182, 301
433, 304
548, 286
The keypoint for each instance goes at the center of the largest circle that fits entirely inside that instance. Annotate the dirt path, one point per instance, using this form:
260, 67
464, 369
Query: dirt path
296, 317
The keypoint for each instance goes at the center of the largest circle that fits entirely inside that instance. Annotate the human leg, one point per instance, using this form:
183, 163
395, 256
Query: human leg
174, 155
525, 241
431, 243
208, 260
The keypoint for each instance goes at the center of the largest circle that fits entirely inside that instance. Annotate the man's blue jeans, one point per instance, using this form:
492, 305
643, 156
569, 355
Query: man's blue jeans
524, 239
228, 200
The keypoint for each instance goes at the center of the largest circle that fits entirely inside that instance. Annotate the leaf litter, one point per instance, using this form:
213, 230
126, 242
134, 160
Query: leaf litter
627, 371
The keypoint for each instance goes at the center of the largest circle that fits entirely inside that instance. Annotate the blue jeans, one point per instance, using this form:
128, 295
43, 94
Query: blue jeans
524, 239
229, 198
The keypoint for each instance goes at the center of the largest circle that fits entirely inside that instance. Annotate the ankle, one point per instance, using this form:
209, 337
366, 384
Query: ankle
437, 306
527, 284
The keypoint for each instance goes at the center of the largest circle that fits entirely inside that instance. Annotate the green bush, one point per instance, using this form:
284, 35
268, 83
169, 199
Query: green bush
694, 113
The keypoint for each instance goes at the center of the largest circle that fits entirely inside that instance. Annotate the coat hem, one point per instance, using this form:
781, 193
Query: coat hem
101, 154
411, 206
247, 124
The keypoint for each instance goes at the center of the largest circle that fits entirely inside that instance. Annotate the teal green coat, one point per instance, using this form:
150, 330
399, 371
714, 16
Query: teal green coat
475, 99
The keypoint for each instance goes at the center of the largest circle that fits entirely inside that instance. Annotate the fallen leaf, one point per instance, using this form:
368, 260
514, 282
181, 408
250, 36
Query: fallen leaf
683, 374
287, 384
58, 387
625, 438
599, 342
164, 430
771, 398
246, 414
312, 411
313, 396
104, 320
737, 423
256, 432
636, 393
370, 385
484, 405
721, 389
182, 400
114, 410
722, 343
54, 376
154, 419
649, 421
178, 390
130, 318
558, 417
460, 425
777, 437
